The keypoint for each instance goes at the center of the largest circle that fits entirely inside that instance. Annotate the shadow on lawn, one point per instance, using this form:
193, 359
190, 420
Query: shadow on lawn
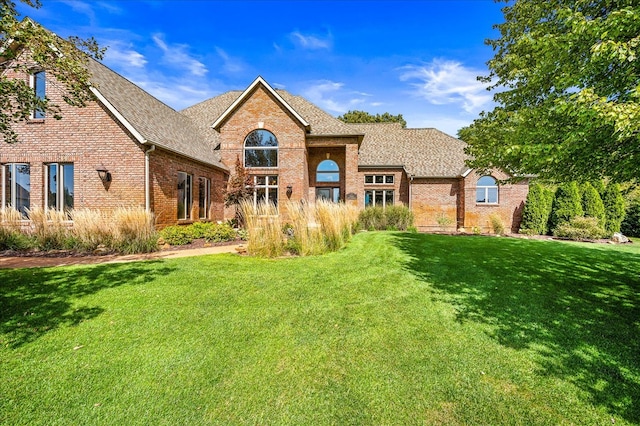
578, 308
36, 301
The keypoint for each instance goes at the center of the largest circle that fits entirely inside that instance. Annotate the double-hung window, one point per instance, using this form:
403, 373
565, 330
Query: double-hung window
204, 197
59, 191
185, 197
16, 186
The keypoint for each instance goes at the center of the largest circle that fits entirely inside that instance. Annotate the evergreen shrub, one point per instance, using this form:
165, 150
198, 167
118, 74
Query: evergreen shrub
567, 204
537, 209
614, 207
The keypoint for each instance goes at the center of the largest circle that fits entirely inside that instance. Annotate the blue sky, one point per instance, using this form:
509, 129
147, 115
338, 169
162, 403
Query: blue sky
416, 58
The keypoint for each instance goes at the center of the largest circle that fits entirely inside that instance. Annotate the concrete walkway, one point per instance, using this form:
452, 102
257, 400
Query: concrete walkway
10, 262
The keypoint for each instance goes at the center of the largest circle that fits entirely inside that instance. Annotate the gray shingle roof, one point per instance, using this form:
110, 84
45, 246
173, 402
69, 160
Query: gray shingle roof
156, 122
422, 152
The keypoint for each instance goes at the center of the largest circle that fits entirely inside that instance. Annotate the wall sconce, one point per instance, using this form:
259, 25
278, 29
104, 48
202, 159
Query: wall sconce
103, 174
289, 191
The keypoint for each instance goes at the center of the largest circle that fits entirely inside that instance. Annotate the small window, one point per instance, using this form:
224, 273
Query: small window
487, 190
38, 83
328, 171
379, 179
378, 197
59, 180
204, 197
265, 189
185, 198
261, 149
16, 187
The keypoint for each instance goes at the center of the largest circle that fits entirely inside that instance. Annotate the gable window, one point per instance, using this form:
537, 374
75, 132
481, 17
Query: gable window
265, 189
378, 179
204, 197
378, 197
185, 199
38, 83
261, 149
487, 190
59, 194
16, 187
328, 171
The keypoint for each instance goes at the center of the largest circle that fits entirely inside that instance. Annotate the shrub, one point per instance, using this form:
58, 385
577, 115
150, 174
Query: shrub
631, 224
496, 224
217, 233
537, 209
11, 236
567, 204
372, 218
399, 217
614, 207
176, 235
592, 205
580, 228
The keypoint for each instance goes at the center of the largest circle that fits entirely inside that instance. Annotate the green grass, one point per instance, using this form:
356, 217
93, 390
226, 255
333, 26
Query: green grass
398, 328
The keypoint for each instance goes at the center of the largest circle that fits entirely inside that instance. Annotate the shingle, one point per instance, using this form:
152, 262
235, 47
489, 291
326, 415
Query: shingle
158, 123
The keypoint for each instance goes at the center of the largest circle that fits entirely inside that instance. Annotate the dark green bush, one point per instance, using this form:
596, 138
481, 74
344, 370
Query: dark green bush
567, 204
631, 223
580, 228
14, 240
592, 205
614, 207
176, 235
537, 209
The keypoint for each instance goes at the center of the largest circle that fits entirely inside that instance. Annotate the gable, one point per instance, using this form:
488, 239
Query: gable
259, 83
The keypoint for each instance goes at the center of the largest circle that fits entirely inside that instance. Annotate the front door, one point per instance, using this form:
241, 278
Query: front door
329, 194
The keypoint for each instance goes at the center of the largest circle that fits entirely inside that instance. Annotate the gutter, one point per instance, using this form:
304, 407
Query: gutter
147, 180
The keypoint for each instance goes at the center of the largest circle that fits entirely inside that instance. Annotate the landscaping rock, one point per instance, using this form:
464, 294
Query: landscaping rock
619, 238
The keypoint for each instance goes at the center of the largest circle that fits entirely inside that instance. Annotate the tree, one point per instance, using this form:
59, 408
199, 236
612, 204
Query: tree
614, 207
240, 188
364, 117
65, 60
566, 74
537, 208
566, 205
592, 205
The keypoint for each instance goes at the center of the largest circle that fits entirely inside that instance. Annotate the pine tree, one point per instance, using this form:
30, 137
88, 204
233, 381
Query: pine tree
614, 207
567, 204
537, 208
592, 205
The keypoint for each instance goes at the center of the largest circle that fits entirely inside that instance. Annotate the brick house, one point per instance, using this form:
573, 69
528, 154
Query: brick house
176, 164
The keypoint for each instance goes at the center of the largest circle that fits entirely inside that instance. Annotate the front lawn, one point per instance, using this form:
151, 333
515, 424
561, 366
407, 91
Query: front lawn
398, 328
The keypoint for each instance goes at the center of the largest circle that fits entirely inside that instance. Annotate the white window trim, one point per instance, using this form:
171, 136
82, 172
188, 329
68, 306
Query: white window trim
207, 198
32, 85
59, 184
486, 194
384, 178
12, 189
261, 148
384, 196
266, 187
188, 195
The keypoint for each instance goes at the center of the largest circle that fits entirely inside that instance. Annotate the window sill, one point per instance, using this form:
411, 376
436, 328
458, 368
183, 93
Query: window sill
487, 204
36, 121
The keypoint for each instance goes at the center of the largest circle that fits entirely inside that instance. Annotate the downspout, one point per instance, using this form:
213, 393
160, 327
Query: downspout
147, 180
410, 184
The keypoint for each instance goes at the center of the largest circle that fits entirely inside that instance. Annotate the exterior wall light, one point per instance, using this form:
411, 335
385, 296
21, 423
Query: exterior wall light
289, 191
103, 174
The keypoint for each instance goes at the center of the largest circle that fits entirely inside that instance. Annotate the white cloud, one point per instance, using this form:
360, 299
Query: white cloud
124, 57
172, 92
448, 82
230, 64
177, 56
310, 42
329, 95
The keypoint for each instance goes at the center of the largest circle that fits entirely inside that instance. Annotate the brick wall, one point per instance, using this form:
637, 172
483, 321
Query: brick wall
261, 110
163, 169
511, 200
435, 204
87, 137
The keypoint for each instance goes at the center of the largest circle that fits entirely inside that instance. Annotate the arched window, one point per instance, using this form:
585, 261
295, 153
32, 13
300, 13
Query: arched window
261, 149
487, 190
328, 171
